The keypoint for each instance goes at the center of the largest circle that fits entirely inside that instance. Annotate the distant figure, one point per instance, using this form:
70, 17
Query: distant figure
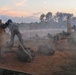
68, 25
14, 31
74, 27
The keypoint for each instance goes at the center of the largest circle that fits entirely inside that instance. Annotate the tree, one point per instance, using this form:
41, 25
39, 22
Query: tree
48, 16
42, 17
60, 17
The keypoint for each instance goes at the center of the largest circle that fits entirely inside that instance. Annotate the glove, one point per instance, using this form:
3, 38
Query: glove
4, 25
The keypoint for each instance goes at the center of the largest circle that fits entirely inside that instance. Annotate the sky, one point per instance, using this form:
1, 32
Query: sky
30, 8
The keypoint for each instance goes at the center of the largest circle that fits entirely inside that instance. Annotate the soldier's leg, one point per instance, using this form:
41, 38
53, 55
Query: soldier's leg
12, 39
20, 38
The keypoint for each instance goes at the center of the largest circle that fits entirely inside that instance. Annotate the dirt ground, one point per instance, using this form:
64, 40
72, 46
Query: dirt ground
42, 65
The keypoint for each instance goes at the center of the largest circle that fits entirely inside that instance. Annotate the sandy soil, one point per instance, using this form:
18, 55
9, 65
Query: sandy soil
41, 65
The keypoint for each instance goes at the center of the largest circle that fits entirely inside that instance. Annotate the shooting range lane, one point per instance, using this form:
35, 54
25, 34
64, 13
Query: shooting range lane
39, 66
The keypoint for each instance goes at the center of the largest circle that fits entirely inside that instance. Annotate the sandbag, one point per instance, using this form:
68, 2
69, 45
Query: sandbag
45, 50
23, 56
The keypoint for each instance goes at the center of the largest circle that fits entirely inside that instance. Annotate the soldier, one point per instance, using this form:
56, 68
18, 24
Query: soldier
14, 29
1, 34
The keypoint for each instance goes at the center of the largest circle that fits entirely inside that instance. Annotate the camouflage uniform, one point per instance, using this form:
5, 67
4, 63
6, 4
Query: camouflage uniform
15, 31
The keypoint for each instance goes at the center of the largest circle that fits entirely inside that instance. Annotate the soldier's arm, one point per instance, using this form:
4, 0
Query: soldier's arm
4, 25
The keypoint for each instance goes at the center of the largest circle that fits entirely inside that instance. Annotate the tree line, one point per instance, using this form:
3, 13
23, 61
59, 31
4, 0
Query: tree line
58, 17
